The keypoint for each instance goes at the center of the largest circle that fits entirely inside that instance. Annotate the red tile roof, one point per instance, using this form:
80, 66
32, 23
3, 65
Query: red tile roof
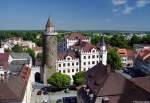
76, 36
144, 54
125, 53
4, 60
13, 89
113, 85
85, 46
143, 82
63, 55
37, 48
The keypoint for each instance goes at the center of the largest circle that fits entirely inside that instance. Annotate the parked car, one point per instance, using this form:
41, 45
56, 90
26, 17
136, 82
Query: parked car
39, 92
45, 93
59, 101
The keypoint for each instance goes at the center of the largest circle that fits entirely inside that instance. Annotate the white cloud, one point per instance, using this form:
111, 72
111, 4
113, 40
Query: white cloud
119, 2
115, 10
127, 10
142, 3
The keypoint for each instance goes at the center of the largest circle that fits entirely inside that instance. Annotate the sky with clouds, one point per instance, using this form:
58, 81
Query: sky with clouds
75, 14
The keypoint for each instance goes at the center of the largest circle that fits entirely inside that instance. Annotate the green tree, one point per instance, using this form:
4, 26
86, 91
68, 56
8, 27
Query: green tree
135, 40
39, 56
17, 49
79, 78
7, 50
119, 41
114, 59
95, 39
59, 80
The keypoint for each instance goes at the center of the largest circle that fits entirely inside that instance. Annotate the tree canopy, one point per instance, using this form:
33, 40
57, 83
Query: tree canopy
79, 78
114, 59
59, 80
119, 41
17, 49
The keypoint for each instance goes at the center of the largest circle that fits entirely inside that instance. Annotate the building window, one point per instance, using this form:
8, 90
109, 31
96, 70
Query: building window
76, 63
93, 62
93, 51
72, 70
100, 56
64, 65
97, 56
59, 65
68, 58
68, 64
64, 71
84, 57
93, 56
68, 70
89, 63
84, 69
89, 57
72, 64
84, 63
77, 70
59, 71
97, 62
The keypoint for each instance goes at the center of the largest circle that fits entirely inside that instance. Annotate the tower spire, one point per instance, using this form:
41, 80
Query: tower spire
49, 22
103, 51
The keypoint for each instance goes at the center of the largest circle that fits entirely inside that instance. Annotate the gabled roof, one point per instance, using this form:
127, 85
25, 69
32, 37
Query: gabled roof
20, 55
63, 55
13, 88
143, 82
144, 54
104, 83
76, 36
125, 53
85, 46
4, 60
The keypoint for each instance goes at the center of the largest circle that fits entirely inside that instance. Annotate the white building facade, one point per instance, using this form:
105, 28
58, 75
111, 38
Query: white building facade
80, 55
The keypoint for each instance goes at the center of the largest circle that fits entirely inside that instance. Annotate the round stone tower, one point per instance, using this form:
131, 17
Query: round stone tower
49, 51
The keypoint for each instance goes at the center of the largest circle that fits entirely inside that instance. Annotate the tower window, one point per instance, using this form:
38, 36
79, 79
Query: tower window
84, 63
84, 57
89, 63
89, 57
76, 63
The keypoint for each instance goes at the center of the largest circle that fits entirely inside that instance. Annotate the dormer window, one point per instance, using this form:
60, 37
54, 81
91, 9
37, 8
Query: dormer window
93, 51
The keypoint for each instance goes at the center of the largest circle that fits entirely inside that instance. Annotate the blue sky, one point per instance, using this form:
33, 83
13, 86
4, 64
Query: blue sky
75, 14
